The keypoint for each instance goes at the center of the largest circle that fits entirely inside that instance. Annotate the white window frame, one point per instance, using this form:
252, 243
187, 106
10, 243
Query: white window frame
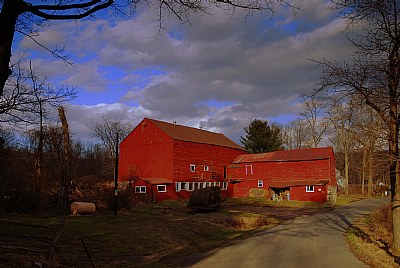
207, 184
139, 189
192, 168
260, 183
206, 168
224, 185
310, 189
162, 186
178, 186
249, 169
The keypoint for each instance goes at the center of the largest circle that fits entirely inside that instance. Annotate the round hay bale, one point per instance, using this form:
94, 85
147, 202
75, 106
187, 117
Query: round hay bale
82, 208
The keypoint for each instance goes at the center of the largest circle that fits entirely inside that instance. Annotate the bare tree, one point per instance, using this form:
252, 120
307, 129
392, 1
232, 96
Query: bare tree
67, 167
315, 121
36, 86
26, 17
368, 130
373, 75
27, 95
107, 130
296, 135
340, 115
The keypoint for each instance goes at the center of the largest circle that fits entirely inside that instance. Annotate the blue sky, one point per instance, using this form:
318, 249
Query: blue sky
218, 70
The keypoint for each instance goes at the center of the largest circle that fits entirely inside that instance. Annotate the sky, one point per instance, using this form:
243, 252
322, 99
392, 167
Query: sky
219, 71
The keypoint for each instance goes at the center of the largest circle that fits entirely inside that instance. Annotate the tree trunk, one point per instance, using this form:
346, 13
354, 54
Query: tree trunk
364, 166
346, 171
394, 162
395, 195
9, 14
67, 158
39, 152
370, 172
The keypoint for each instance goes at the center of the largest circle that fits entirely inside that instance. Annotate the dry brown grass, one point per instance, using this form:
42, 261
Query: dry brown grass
246, 221
166, 235
370, 239
163, 235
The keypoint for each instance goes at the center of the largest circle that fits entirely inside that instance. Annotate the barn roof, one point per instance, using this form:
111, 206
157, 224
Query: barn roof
184, 133
157, 180
286, 156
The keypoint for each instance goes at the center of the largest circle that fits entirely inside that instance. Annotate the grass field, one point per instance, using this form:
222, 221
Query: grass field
163, 235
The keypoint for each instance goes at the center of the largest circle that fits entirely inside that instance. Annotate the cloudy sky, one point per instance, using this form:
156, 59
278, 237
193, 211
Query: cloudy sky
219, 71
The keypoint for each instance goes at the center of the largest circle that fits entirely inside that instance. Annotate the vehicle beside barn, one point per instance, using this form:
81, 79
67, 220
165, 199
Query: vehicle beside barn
208, 198
162, 161
302, 175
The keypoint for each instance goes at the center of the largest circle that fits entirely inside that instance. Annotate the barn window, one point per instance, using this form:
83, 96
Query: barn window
192, 168
224, 185
249, 169
198, 185
206, 168
179, 186
190, 186
260, 183
140, 189
309, 189
161, 188
206, 184
183, 185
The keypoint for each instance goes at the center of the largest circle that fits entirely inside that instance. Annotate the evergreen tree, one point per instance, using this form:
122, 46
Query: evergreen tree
261, 137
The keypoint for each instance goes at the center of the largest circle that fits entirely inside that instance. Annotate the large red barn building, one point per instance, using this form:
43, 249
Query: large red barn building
303, 175
168, 161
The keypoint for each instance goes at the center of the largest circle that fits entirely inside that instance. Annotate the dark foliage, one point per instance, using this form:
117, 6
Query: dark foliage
261, 137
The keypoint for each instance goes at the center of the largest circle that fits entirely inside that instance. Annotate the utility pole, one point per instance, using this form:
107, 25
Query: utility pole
116, 176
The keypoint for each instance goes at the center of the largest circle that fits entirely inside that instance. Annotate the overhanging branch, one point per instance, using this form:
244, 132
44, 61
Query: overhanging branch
88, 8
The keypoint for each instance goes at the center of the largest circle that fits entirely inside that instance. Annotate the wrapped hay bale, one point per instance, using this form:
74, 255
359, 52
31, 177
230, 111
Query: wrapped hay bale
82, 208
205, 198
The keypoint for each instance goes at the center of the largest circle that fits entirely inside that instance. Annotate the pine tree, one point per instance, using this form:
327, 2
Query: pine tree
261, 137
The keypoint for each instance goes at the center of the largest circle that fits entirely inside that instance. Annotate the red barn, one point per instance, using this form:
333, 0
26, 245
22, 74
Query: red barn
168, 161
303, 175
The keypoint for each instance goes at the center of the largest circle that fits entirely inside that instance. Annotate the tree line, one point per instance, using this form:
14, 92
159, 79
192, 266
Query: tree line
352, 128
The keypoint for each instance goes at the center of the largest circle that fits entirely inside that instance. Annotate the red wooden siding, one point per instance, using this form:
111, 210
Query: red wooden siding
157, 152
201, 155
146, 153
214, 157
299, 193
293, 170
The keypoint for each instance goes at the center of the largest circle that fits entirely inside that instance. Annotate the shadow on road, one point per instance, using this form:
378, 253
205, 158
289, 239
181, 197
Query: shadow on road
328, 223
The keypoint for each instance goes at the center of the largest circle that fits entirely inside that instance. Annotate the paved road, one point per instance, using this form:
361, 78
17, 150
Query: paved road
309, 241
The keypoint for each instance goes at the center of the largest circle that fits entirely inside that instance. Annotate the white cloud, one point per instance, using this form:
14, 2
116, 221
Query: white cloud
259, 67
81, 116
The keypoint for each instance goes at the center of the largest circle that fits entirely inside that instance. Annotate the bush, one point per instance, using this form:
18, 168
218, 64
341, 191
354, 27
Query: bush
27, 202
381, 224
